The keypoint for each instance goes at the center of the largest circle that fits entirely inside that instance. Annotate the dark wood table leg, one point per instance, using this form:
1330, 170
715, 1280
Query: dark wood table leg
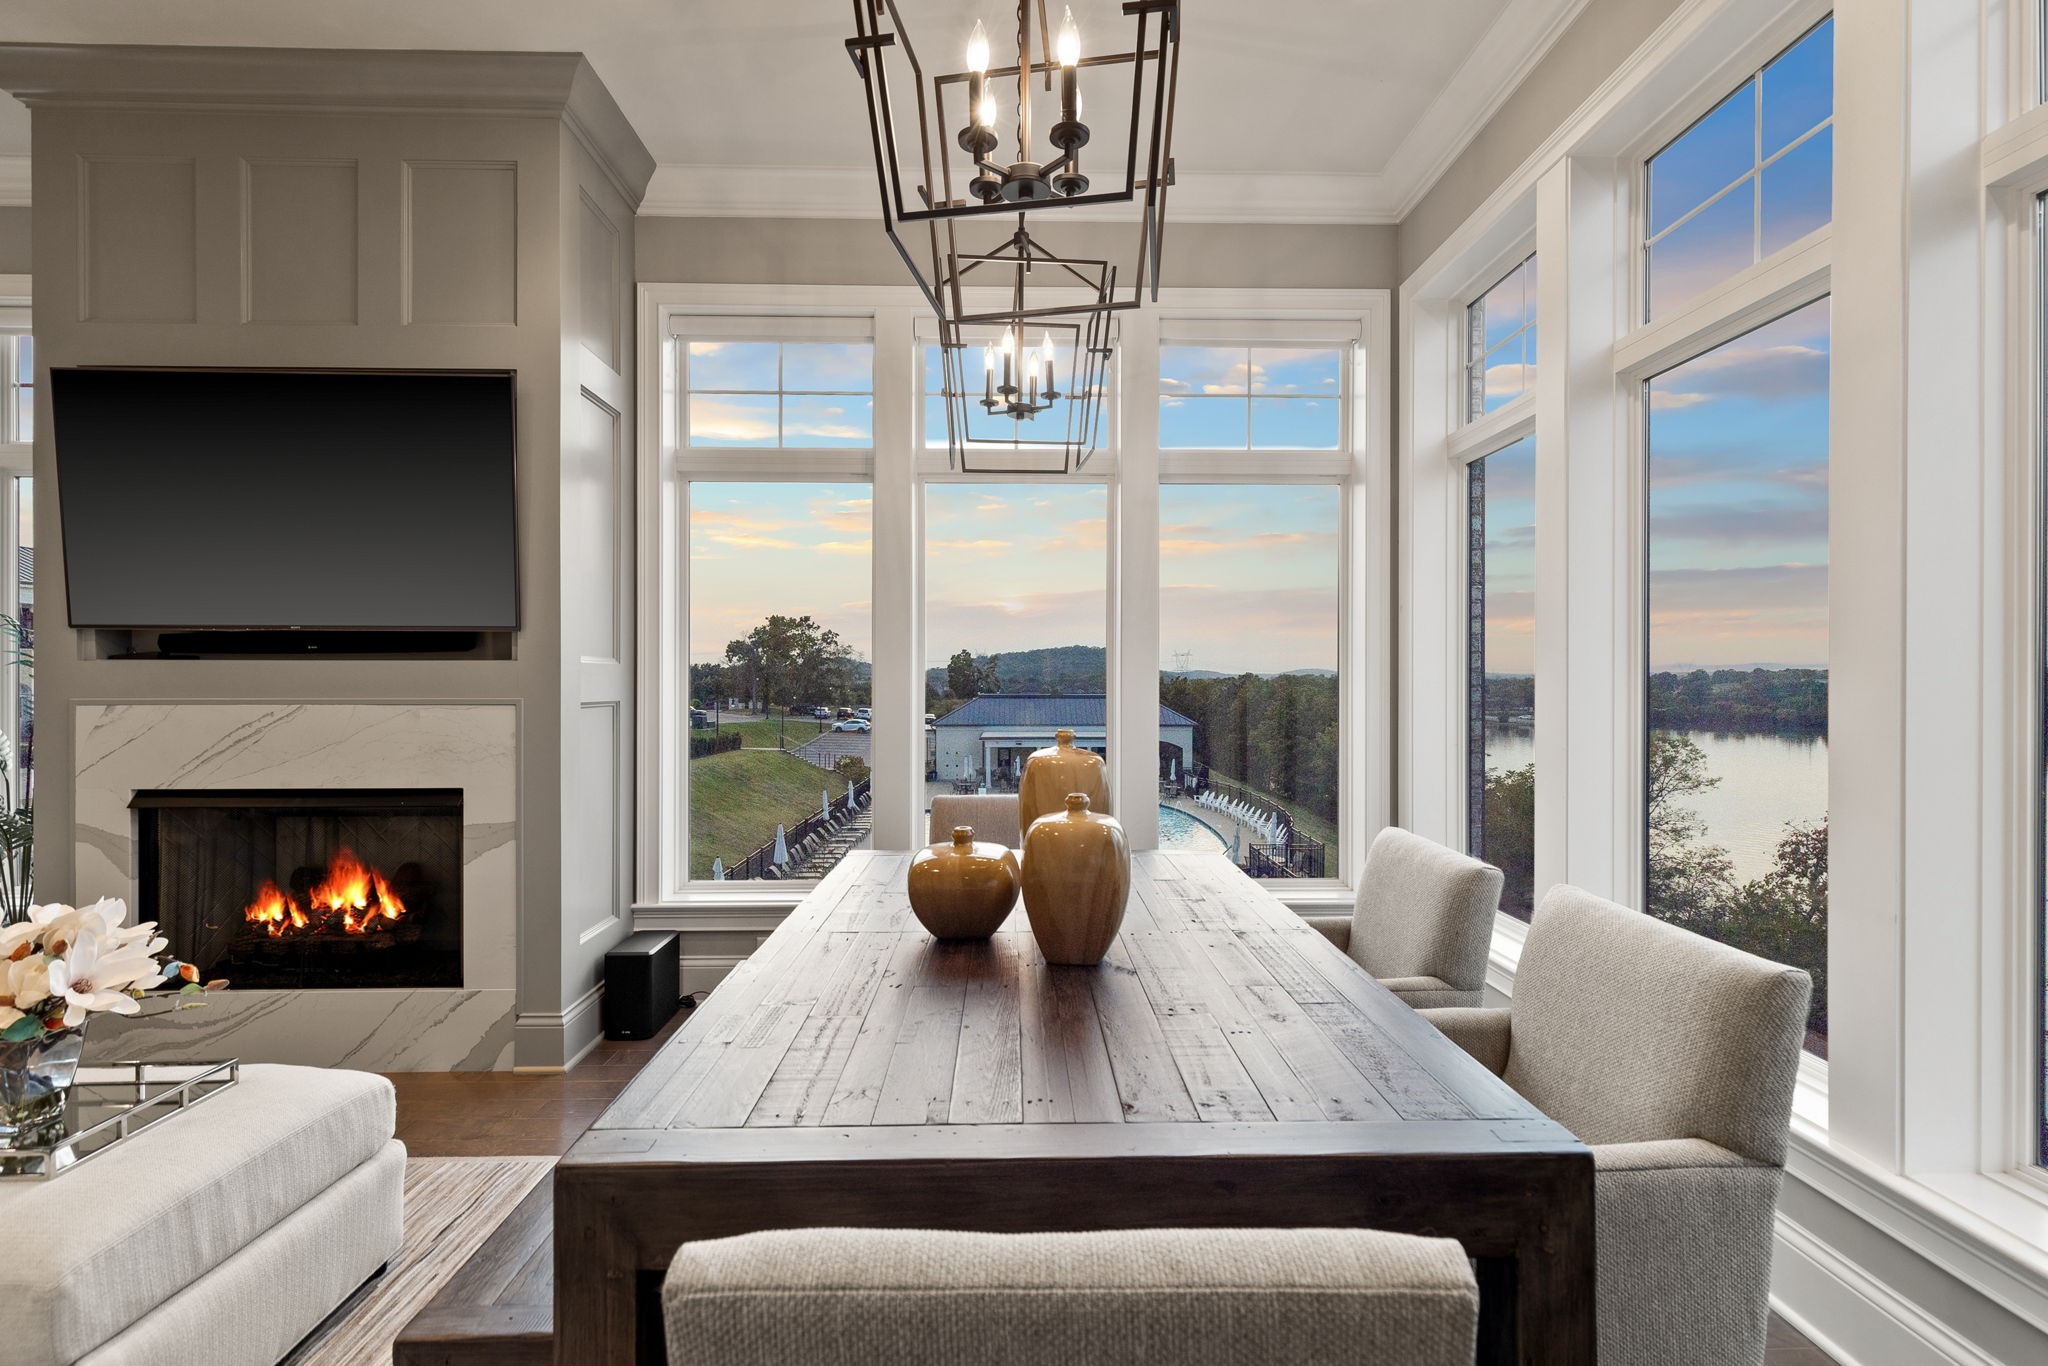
596, 1274
1496, 1311
1555, 1316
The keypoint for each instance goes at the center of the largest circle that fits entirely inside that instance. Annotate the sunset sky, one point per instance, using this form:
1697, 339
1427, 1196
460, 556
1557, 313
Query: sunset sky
1739, 501
1511, 559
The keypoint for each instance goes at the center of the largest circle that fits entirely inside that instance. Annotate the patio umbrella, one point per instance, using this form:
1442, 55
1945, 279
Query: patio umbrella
781, 855
718, 870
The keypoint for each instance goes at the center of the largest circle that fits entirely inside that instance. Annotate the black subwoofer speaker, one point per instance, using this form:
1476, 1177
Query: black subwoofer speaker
643, 980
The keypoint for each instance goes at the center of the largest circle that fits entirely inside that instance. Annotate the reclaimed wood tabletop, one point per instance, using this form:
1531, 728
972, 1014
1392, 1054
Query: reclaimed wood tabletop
1225, 1066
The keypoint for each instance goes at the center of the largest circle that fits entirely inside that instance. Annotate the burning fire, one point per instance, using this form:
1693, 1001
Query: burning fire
352, 890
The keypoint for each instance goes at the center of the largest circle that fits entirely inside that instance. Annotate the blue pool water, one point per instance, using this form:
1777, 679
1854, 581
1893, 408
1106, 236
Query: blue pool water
1179, 830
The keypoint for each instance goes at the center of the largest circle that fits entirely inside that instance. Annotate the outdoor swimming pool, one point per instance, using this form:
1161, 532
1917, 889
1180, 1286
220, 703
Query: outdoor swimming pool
1179, 830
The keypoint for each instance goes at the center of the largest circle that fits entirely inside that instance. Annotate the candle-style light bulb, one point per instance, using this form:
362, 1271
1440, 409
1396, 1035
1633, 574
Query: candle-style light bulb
1045, 348
985, 110
1009, 342
977, 48
988, 357
1070, 41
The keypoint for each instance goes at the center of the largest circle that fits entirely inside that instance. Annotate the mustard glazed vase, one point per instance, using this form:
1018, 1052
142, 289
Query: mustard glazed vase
1051, 773
1077, 877
963, 890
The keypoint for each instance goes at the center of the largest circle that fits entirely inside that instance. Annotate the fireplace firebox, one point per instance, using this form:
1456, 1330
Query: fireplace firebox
306, 889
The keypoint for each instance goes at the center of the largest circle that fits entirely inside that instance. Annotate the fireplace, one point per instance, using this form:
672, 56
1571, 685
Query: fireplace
306, 889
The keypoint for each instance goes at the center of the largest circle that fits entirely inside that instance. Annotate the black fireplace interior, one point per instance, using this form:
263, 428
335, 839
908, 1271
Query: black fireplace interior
306, 889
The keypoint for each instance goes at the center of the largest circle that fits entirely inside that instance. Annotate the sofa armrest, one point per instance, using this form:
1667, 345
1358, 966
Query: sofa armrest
1335, 928
1485, 1034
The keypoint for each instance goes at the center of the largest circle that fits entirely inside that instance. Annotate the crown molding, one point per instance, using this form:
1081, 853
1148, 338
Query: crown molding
14, 182
333, 81
1520, 37
839, 192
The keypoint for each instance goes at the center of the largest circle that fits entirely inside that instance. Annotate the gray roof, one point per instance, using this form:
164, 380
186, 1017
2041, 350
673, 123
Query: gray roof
1074, 709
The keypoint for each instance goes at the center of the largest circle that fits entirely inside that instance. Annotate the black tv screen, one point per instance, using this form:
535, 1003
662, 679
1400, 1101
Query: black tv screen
346, 500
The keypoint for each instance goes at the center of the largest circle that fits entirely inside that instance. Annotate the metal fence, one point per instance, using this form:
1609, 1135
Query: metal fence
800, 839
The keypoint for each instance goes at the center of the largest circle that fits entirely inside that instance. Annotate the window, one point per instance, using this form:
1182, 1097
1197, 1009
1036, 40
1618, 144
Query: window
1251, 398
1500, 342
779, 672
982, 370
1016, 620
1751, 177
792, 395
1249, 686
17, 388
1737, 785
1500, 668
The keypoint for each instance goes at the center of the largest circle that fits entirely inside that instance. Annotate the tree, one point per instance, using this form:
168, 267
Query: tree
1508, 834
1783, 915
962, 679
1689, 881
788, 659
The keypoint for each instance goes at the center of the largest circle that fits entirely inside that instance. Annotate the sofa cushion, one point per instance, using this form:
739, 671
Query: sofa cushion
142, 1221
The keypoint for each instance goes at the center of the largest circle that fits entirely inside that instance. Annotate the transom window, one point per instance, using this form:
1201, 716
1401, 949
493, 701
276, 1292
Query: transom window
1256, 398
791, 395
1750, 178
1500, 342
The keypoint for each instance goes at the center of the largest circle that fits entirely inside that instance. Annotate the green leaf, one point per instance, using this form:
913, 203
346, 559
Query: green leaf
23, 1029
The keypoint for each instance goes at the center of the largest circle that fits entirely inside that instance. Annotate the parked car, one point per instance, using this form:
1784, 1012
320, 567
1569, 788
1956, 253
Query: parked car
846, 713
864, 713
699, 719
822, 713
854, 724
930, 720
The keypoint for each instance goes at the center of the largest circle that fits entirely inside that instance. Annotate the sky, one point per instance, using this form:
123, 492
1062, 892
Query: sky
1739, 501
796, 549
1753, 175
1248, 577
1014, 567
1511, 558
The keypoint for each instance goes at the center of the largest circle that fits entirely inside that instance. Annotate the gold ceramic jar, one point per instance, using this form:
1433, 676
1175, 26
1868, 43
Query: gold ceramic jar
1050, 774
1077, 876
963, 890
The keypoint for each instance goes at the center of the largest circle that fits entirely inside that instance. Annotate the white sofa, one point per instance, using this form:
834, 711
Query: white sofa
224, 1235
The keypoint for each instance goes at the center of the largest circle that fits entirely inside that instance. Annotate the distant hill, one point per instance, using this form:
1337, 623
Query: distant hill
1055, 669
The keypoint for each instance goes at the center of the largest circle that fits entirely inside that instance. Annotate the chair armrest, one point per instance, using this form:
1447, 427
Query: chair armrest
1485, 1034
1335, 928
1666, 1154
1430, 993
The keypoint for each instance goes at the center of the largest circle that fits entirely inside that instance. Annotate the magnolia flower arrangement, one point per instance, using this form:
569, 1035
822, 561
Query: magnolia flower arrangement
63, 965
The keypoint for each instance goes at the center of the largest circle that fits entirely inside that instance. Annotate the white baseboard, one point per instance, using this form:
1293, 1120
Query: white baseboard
1853, 1316
703, 971
554, 1041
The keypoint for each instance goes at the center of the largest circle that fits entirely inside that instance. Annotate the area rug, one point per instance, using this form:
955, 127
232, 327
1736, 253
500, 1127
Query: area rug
451, 1205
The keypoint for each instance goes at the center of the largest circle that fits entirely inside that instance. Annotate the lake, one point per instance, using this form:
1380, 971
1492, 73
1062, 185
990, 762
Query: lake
1766, 780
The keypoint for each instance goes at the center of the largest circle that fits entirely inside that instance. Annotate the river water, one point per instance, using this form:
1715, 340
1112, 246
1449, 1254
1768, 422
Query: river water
1766, 780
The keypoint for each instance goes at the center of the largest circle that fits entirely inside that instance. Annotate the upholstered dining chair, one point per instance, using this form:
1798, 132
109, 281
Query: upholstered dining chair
1674, 1058
993, 816
1189, 1297
1423, 920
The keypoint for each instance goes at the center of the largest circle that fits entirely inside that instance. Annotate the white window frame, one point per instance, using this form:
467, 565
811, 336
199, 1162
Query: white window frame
1472, 367
899, 467
17, 459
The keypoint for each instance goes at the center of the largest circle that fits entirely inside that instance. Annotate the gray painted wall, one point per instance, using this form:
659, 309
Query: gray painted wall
14, 240
1604, 34
366, 239
839, 251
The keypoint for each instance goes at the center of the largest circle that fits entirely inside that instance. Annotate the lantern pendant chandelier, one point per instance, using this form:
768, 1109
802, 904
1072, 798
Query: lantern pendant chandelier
940, 162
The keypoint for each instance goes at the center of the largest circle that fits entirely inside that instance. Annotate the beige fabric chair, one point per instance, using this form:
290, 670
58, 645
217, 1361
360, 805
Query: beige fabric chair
1674, 1057
993, 816
1423, 922
1163, 1297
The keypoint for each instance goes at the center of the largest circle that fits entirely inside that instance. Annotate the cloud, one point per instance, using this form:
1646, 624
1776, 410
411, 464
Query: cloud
1196, 539
742, 540
844, 547
946, 546
1741, 524
737, 521
842, 514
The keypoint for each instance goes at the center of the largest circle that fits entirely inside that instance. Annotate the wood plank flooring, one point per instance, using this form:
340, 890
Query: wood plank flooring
461, 1114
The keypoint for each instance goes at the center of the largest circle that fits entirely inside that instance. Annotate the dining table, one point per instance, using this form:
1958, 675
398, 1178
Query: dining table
1225, 1066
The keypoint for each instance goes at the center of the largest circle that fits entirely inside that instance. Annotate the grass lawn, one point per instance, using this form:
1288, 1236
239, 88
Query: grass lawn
737, 800
763, 734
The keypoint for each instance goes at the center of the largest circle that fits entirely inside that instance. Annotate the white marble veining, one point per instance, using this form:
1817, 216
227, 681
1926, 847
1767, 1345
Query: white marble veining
122, 749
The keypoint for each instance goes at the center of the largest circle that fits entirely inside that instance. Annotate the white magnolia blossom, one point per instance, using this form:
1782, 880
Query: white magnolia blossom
83, 956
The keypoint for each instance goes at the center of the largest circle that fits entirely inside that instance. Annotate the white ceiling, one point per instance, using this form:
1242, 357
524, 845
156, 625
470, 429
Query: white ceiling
1319, 110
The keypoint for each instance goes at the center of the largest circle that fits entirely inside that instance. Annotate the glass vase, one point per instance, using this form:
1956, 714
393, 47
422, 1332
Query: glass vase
35, 1077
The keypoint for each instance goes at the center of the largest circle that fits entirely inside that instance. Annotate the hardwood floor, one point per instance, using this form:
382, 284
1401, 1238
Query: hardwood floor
485, 1114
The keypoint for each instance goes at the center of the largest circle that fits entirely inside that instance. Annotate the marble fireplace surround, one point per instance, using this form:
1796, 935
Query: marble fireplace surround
123, 748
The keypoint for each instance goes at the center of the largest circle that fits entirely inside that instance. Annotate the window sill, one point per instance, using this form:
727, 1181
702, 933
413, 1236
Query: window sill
1988, 1231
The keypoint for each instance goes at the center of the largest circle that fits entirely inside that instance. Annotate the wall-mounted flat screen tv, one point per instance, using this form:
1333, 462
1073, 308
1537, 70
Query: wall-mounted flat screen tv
314, 500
